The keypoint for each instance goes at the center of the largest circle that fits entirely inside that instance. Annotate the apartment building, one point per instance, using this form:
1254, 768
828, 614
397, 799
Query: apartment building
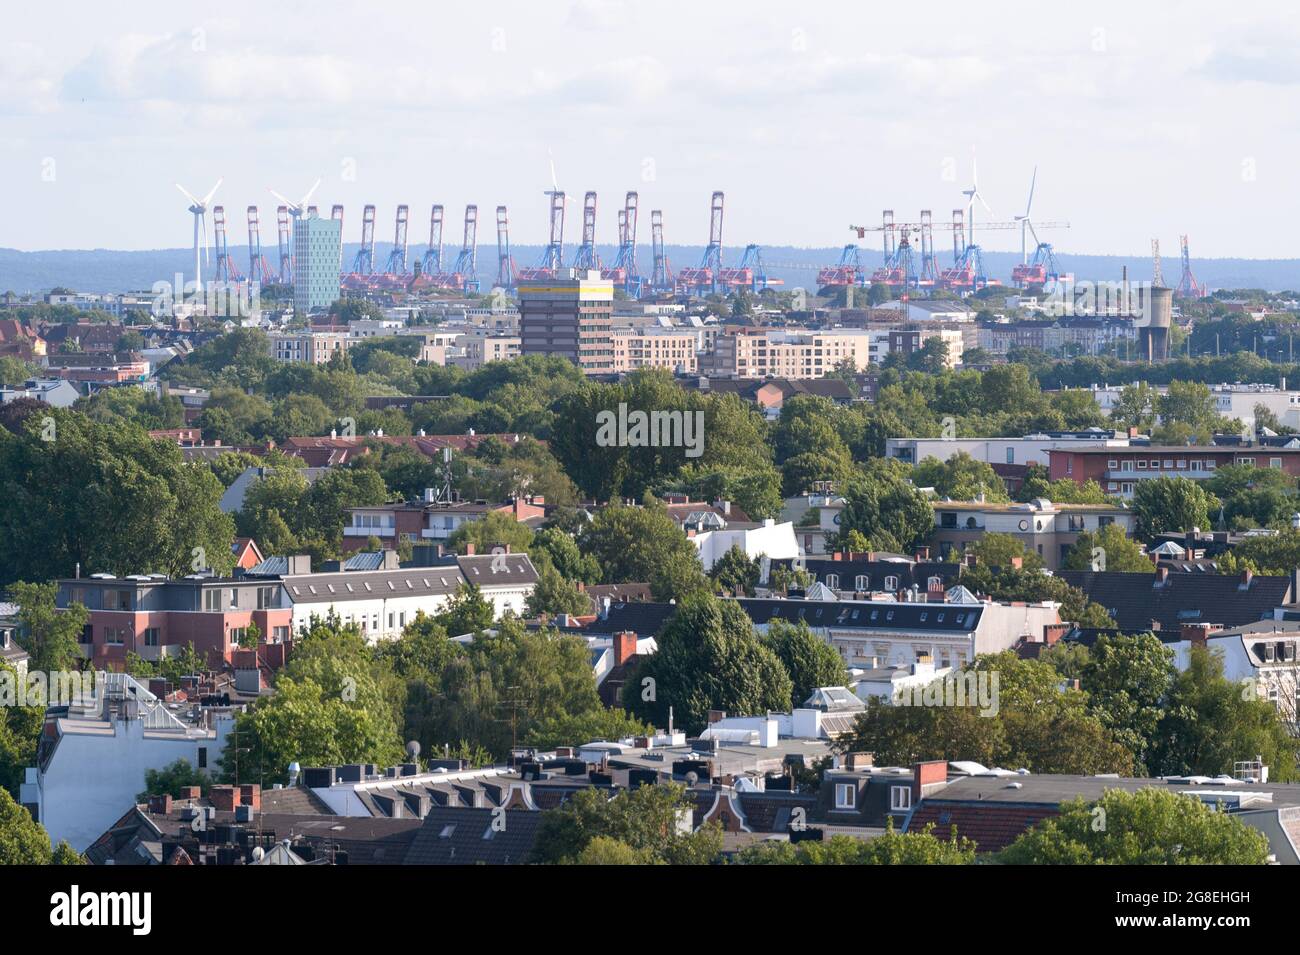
155, 616
474, 351
316, 347
570, 315
1118, 470
1046, 529
1029, 449
428, 520
676, 349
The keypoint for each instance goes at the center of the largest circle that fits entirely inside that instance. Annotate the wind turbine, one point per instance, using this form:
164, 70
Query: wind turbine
199, 207
297, 208
554, 256
971, 195
1026, 223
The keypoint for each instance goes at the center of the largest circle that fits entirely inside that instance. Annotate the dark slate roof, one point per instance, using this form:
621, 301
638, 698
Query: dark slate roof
866, 615
909, 573
1135, 599
344, 585
643, 618
459, 836
498, 570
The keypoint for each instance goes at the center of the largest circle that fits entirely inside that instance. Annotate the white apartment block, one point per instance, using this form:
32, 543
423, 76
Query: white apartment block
314, 347
676, 349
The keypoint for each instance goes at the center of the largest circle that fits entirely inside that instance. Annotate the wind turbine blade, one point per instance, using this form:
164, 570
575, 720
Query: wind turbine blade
1032, 182
984, 204
1032, 231
213, 191
186, 193
315, 186
289, 204
555, 183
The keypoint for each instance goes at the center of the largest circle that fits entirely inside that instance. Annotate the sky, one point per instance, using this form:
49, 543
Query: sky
1143, 120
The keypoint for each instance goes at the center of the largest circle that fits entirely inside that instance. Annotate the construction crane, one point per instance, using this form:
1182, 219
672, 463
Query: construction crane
967, 269
397, 257
1042, 269
364, 261
505, 262
467, 261
259, 270
1188, 286
705, 276
227, 270
847, 271
432, 263
624, 270
586, 258
661, 277
286, 253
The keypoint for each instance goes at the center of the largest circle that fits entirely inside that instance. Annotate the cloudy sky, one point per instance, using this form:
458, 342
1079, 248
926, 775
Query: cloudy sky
1143, 119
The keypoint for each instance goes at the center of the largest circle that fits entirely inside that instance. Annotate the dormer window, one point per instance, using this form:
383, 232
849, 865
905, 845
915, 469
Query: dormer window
846, 796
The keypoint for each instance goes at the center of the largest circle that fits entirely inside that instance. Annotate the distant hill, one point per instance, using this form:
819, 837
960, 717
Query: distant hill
107, 270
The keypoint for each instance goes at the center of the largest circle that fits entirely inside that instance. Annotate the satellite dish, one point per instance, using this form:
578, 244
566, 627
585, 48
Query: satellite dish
258, 854
692, 778
413, 749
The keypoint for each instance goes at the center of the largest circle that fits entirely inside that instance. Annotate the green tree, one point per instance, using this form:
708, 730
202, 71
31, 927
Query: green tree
892, 848
736, 573
553, 595
1153, 826
647, 820
495, 529
635, 544
1127, 678
1166, 504
1121, 552
171, 779
961, 478
709, 658
1210, 722
20, 731
50, 636
575, 729
888, 511
810, 661
468, 611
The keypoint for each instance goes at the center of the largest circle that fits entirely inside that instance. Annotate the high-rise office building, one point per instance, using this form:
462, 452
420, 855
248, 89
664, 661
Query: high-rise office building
316, 245
570, 315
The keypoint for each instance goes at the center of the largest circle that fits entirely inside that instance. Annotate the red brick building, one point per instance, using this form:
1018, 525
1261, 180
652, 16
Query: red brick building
1118, 470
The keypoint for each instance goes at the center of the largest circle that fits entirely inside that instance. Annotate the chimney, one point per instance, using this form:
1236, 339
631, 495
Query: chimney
716, 716
928, 777
160, 805
222, 798
859, 761
1197, 634
922, 554
1246, 578
838, 555
469, 548
1162, 576
250, 794
1053, 632
190, 792
624, 647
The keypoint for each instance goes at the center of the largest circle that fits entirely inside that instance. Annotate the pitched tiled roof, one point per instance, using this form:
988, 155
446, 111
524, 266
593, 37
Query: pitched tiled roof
459, 836
992, 827
1136, 599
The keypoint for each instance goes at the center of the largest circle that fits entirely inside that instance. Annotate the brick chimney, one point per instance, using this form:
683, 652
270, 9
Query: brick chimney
469, 548
927, 777
190, 792
1246, 578
250, 794
1053, 632
1162, 577
624, 647
716, 715
1197, 634
222, 798
922, 554
160, 805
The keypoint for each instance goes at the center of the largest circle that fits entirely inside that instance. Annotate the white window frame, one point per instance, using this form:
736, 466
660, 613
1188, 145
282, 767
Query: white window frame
843, 790
900, 798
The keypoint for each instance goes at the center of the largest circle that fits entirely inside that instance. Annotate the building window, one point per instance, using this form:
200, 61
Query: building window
891, 583
117, 600
151, 637
212, 599
846, 796
1275, 463
900, 798
203, 757
861, 582
833, 581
